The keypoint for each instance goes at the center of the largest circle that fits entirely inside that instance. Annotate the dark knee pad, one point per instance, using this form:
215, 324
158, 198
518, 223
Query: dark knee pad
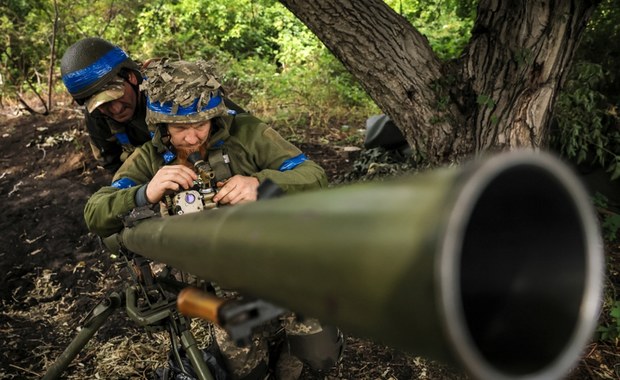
320, 351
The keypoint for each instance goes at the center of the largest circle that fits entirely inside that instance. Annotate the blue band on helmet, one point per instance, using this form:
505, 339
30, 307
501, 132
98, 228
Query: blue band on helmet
166, 108
122, 138
82, 78
292, 163
123, 183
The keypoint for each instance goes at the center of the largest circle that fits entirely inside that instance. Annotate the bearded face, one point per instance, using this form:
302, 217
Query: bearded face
182, 154
189, 138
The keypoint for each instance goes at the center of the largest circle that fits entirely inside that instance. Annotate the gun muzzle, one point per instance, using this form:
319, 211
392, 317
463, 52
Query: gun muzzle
496, 265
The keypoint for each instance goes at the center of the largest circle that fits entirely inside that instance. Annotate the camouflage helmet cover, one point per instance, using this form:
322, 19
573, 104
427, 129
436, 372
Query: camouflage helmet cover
181, 92
90, 64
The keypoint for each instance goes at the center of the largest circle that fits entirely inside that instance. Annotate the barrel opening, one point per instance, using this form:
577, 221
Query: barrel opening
523, 269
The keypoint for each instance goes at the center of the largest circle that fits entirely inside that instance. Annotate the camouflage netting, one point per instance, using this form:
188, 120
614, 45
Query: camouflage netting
380, 163
182, 82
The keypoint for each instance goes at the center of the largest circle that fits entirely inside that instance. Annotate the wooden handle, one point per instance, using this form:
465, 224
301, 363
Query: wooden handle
193, 302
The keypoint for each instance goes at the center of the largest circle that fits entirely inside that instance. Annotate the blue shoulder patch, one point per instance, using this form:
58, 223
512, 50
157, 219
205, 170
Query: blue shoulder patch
218, 144
123, 183
122, 138
292, 163
168, 156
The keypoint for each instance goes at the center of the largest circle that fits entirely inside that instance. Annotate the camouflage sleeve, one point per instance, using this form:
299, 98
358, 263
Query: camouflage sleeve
105, 208
285, 164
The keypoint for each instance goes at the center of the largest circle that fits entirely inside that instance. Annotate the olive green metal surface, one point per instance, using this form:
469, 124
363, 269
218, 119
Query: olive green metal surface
495, 265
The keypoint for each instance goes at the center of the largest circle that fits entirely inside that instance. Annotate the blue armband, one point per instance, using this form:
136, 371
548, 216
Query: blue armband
123, 183
292, 163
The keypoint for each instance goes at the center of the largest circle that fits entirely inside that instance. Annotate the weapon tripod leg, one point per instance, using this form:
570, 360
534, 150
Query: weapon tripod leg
180, 325
92, 323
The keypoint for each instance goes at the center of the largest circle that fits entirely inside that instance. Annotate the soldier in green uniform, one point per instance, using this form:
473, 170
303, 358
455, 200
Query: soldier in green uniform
186, 114
102, 77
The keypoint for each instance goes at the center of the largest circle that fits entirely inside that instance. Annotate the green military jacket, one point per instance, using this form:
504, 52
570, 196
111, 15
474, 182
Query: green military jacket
254, 150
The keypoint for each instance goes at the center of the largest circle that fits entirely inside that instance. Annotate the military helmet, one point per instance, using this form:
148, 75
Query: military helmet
90, 64
181, 92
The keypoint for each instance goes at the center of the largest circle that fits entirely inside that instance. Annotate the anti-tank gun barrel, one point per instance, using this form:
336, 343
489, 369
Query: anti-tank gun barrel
496, 265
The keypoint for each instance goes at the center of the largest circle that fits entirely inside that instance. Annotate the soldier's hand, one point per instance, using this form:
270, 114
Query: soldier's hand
237, 189
173, 177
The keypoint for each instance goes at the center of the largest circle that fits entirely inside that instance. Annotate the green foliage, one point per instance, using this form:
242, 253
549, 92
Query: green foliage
189, 29
268, 57
601, 45
610, 226
446, 23
300, 85
608, 329
24, 26
611, 332
312, 95
27, 30
587, 125
610, 223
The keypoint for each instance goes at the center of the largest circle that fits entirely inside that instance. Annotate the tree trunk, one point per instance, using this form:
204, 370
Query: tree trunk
516, 63
497, 96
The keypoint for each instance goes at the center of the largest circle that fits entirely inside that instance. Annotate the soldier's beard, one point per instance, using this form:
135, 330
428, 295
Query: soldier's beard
182, 154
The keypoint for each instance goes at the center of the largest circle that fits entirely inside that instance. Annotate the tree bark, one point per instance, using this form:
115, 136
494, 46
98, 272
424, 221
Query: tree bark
392, 61
516, 63
497, 96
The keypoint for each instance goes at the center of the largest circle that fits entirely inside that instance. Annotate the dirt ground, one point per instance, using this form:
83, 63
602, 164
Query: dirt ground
53, 271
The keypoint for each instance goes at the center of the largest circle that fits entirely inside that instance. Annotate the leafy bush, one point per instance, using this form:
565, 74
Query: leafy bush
446, 23
610, 331
304, 86
268, 57
587, 125
188, 29
610, 220
309, 96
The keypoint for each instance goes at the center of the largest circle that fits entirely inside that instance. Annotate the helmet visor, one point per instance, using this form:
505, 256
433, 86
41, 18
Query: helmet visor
112, 91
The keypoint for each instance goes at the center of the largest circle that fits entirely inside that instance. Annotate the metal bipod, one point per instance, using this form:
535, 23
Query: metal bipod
151, 307
91, 323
